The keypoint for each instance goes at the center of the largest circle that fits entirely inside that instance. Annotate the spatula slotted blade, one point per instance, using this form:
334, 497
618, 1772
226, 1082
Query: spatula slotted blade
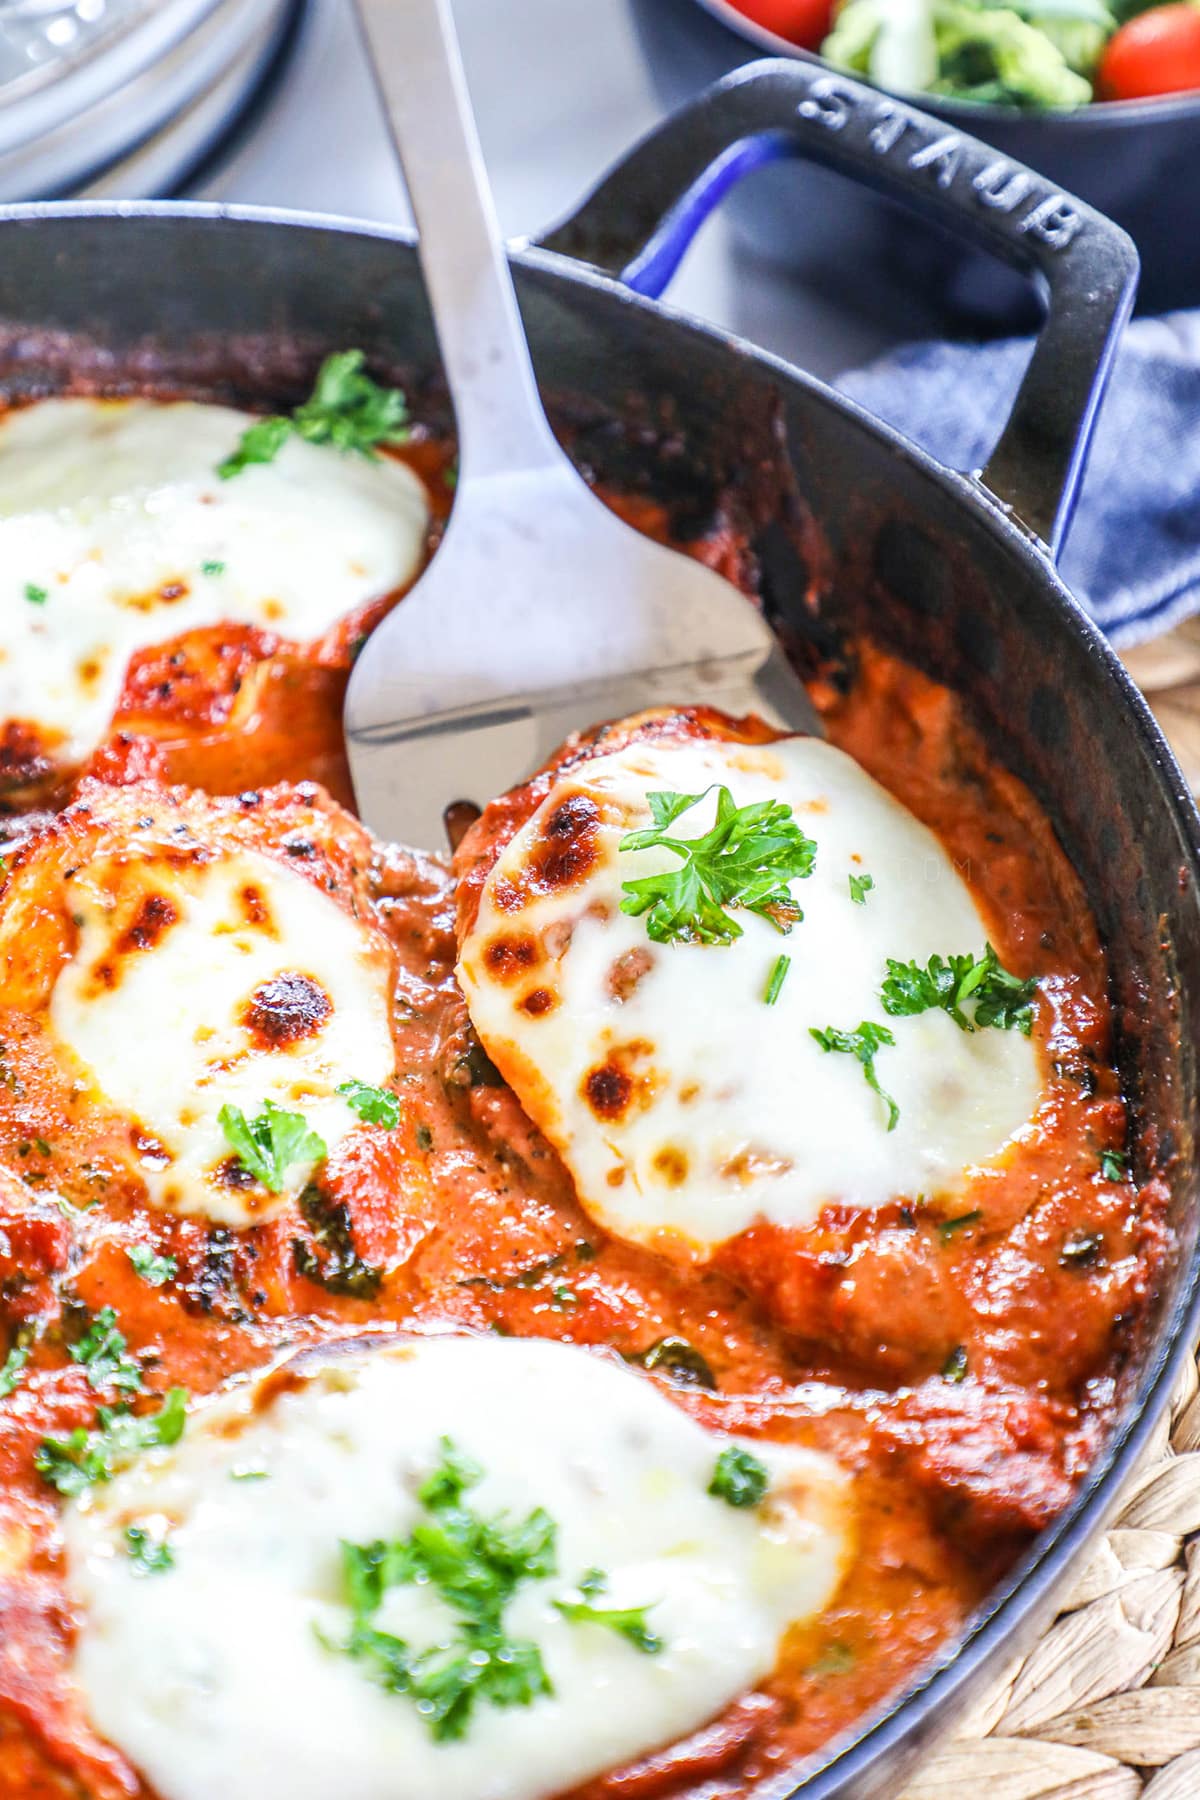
541, 614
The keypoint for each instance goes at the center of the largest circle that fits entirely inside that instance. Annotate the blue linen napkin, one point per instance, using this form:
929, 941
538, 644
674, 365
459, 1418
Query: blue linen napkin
1133, 553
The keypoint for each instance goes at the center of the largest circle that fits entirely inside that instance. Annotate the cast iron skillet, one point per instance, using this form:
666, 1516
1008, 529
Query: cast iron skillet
1134, 160
855, 529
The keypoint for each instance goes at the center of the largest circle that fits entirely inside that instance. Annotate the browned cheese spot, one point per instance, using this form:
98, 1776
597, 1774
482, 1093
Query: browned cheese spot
626, 1080
506, 896
671, 1163
750, 1165
286, 1009
154, 916
149, 1150
508, 956
627, 971
566, 848
607, 1090
538, 1003
255, 910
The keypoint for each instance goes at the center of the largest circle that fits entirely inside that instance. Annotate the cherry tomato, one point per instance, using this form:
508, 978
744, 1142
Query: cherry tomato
803, 22
1156, 53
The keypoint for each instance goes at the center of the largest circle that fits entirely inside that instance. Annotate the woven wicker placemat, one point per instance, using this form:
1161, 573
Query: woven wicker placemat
1107, 1705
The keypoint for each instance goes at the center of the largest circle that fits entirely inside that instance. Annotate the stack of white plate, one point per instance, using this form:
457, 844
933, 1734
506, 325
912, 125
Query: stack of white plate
125, 97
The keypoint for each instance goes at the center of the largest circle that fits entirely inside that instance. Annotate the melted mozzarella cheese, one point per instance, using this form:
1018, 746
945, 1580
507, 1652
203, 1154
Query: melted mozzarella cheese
204, 984
114, 512
212, 1677
680, 1101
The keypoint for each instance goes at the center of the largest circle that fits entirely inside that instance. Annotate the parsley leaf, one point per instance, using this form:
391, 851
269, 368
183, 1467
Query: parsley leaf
377, 1106
270, 1144
149, 1555
101, 1350
259, 443
628, 1621
863, 1043
739, 1478
36, 596
778, 976
475, 1564
346, 409
1081, 1250
860, 887
74, 1462
340, 1269
680, 1361
1001, 999
964, 1222
11, 1369
211, 566
150, 1266
836, 1659
746, 860
1113, 1165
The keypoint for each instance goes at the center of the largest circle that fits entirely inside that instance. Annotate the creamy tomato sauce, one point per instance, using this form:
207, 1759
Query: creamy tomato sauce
964, 1377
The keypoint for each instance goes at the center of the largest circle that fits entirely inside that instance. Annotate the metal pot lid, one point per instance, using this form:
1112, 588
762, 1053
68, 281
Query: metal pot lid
90, 86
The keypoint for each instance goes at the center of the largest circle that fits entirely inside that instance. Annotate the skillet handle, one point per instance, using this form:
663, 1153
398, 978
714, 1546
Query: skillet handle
638, 222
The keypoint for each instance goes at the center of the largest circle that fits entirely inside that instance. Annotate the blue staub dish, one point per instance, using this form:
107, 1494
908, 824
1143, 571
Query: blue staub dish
1134, 160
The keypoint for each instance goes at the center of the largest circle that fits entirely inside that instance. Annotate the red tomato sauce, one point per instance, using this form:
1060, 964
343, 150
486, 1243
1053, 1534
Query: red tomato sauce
839, 1335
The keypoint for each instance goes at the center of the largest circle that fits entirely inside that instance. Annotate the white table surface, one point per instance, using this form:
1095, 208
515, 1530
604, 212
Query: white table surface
561, 88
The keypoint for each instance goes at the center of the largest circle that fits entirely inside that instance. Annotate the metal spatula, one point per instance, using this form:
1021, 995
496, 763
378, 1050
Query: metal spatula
541, 613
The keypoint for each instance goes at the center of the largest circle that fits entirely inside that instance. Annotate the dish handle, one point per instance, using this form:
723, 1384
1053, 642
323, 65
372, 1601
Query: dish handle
639, 220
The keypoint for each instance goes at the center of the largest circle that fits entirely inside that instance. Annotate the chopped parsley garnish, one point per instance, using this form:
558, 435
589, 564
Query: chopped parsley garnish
346, 409
81, 1458
955, 1366
150, 1266
149, 1555
374, 1105
102, 1352
738, 1478
211, 567
339, 1269
746, 860
860, 887
36, 596
12, 1368
678, 1360
863, 1043
948, 1227
1081, 1249
475, 1564
270, 1144
778, 977
1113, 1165
628, 1621
1001, 999
836, 1659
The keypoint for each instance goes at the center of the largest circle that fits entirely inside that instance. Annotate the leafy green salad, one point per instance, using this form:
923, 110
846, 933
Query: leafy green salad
1033, 53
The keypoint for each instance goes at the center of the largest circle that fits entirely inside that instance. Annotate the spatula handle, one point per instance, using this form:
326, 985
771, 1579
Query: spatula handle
500, 421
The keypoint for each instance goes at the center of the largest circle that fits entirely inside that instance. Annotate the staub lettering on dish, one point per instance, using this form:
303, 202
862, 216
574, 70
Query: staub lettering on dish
1001, 186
